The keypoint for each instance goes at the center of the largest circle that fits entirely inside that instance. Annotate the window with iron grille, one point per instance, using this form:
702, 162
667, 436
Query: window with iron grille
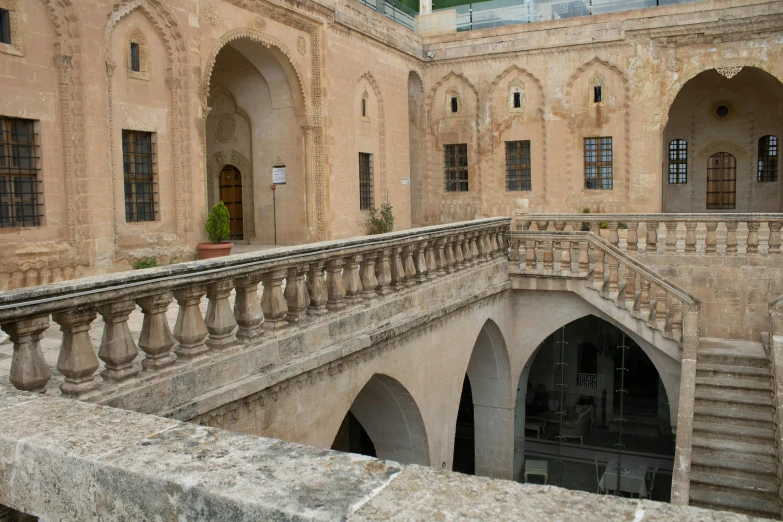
134, 56
518, 165
365, 181
598, 163
597, 94
678, 162
768, 158
20, 181
517, 100
455, 167
5, 26
139, 166
454, 104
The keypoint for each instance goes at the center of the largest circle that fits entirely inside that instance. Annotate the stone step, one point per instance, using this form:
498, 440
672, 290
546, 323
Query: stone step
738, 372
736, 448
705, 496
721, 398
721, 460
761, 486
734, 416
734, 432
720, 384
733, 360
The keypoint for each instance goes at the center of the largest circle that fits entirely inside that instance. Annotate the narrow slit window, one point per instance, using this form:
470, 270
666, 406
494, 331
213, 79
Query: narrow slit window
365, 181
454, 104
768, 158
517, 100
20, 181
455, 163
364, 107
139, 171
678, 162
135, 62
598, 163
5, 26
597, 94
518, 165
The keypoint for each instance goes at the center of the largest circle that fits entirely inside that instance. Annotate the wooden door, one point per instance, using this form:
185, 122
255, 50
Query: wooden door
721, 181
231, 196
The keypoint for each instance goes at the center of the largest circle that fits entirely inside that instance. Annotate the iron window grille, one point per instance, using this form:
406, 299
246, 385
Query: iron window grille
768, 158
678, 162
5, 26
135, 60
518, 165
597, 94
364, 107
365, 181
517, 100
598, 163
138, 166
455, 171
454, 104
20, 180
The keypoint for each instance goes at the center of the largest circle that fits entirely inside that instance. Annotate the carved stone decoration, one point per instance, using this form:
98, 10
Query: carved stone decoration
673, 64
137, 36
225, 128
211, 15
729, 71
301, 45
15, 46
215, 164
260, 23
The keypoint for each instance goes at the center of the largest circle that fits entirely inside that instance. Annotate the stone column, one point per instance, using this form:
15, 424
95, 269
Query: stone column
397, 269
633, 236
644, 298
273, 301
630, 288
421, 262
671, 236
247, 309
614, 236
531, 254
652, 237
711, 240
774, 236
474, 252
613, 286
369, 281
660, 307
220, 319
584, 258
118, 349
690, 237
753, 238
383, 272
352, 280
410, 266
440, 257
156, 340
77, 361
450, 261
731, 237
29, 371
335, 285
316, 287
459, 259
429, 256
598, 270
190, 330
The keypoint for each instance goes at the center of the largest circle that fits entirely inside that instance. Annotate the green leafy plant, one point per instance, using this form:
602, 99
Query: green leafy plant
380, 220
145, 262
217, 225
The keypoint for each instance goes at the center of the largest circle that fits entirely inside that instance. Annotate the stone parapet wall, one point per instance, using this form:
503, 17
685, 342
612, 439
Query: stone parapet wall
129, 465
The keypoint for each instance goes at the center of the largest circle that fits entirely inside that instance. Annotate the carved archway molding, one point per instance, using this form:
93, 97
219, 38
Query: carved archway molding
735, 149
216, 163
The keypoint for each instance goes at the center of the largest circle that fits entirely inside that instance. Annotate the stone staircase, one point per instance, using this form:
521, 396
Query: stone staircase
734, 461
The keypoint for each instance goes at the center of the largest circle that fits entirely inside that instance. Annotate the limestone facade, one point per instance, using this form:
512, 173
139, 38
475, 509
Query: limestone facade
255, 84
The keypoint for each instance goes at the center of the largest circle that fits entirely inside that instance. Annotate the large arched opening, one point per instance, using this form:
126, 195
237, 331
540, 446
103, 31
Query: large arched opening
258, 112
590, 401
385, 422
483, 442
720, 146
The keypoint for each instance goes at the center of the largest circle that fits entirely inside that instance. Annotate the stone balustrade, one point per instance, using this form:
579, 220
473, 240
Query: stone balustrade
297, 286
614, 274
774, 349
727, 234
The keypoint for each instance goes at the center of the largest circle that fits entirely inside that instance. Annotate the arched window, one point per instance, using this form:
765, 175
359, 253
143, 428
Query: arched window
137, 55
768, 158
678, 162
10, 37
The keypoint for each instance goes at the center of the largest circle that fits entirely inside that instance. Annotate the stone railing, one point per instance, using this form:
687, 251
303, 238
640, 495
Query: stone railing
299, 285
728, 234
774, 349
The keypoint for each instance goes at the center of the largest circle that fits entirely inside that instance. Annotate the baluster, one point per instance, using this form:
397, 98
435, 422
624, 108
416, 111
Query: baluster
502, 243
273, 301
526, 225
774, 237
316, 287
29, 371
429, 256
440, 258
652, 237
410, 266
613, 283
644, 298
352, 278
369, 282
397, 269
467, 253
633, 236
548, 256
383, 272
458, 257
190, 330
584, 258
542, 225
711, 240
660, 307
297, 298
676, 318
630, 288
565, 257
531, 261
77, 360
614, 236
247, 308
156, 339
494, 244
220, 319
450, 261
671, 236
421, 261
335, 285
598, 270
690, 237
753, 237
118, 349
483, 245
514, 252
731, 237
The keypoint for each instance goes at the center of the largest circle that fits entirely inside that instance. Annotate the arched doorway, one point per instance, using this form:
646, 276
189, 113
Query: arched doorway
590, 402
230, 185
465, 433
385, 422
722, 181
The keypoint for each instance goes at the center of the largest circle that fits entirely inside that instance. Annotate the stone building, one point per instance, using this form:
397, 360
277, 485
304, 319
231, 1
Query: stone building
123, 123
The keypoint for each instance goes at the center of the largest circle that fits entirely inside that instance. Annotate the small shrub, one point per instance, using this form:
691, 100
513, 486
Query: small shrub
380, 220
145, 262
622, 226
217, 225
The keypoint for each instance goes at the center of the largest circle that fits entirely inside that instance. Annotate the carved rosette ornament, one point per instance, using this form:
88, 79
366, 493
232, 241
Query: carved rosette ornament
260, 23
225, 127
211, 15
729, 71
301, 45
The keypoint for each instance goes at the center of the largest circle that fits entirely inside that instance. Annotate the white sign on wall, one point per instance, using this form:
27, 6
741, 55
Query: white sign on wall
278, 175
406, 181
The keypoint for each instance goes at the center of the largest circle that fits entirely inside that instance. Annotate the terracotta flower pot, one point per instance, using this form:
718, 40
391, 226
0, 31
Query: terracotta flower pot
210, 250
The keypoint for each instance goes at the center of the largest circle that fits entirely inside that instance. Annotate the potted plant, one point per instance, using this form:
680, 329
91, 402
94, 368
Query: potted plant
217, 227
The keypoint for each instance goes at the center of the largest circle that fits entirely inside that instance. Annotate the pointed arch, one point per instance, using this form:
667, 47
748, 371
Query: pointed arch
459, 78
368, 76
216, 163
